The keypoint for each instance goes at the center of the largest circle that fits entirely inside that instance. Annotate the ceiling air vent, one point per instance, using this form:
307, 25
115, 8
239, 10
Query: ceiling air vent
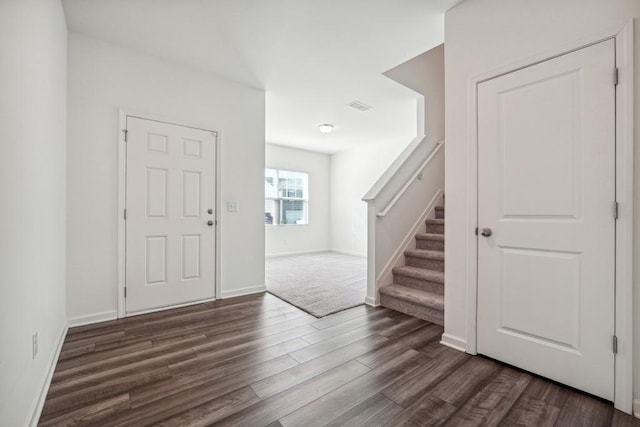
361, 106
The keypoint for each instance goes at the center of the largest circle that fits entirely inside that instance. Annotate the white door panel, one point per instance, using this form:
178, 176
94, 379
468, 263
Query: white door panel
546, 186
170, 248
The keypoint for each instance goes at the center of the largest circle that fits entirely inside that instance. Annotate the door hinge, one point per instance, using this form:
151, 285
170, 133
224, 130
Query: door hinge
616, 210
125, 214
125, 291
615, 76
476, 231
126, 134
615, 344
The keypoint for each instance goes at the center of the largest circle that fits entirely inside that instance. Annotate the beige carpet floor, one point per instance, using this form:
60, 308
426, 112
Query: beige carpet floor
321, 283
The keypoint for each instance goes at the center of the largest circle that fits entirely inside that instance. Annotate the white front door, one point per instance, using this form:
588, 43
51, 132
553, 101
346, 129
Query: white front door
546, 188
170, 224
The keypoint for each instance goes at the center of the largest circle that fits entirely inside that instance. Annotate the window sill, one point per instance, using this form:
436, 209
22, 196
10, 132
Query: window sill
285, 225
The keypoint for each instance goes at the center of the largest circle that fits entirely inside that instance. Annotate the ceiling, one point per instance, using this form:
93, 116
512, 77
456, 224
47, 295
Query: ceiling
311, 57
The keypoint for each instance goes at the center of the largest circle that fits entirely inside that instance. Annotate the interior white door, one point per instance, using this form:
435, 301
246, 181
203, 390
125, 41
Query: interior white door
546, 188
171, 222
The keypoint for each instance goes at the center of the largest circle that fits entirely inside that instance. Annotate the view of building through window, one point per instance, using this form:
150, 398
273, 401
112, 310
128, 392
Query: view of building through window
286, 197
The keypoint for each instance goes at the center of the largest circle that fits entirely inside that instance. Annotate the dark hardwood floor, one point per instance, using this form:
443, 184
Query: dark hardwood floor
258, 361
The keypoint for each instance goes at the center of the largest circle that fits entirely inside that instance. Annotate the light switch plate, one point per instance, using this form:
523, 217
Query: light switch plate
233, 206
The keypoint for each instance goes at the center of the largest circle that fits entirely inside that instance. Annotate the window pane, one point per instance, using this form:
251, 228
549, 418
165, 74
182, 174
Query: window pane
286, 197
271, 211
293, 212
270, 180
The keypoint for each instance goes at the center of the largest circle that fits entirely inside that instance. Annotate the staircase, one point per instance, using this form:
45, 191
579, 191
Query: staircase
418, 286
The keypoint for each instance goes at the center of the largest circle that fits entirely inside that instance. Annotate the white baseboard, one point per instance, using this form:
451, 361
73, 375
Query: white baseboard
386, 274
636, 408
281, 254
373, 302
169, 307
92, 318
243, 291
453, 342
338, 251
38, 404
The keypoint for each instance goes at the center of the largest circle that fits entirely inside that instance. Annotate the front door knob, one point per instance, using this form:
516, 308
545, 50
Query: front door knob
486, 232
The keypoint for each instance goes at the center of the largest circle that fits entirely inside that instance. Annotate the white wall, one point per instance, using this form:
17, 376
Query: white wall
33, 62
394, 232
482, 35
353, 172
104, 77
425, 75
289, 239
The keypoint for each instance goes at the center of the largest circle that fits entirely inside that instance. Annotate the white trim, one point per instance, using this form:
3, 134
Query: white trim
372, 302
373, 296
276, 226
311, 251
623, 395
636, 408
244, 291
393, 169
219, 216
386, 275
122, 183
471, 240
122, 202
92, 318
169, 307
623, 34
340, 251
551, 53
411, 180
38, 404
453, 342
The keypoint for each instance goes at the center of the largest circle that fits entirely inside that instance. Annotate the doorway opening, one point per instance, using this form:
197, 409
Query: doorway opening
300, 266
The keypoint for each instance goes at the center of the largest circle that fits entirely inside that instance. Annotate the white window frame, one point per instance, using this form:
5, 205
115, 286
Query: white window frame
304, 199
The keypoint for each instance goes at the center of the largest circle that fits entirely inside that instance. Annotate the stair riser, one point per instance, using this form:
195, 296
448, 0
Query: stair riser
434, 245
439, 214
423, 285
435, 228
419, 311
430, 264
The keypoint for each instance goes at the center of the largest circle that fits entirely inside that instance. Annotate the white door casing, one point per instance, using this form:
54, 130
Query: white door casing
170, 189
546, 187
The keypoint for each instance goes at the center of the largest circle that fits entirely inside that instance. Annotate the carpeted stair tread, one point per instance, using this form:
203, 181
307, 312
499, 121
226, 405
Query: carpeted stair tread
430, 236
431, 241
419, 273
414, 296
435, 226
425, 253
418, 288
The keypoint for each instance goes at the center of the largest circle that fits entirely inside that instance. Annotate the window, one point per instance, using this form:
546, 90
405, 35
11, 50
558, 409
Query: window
286, 197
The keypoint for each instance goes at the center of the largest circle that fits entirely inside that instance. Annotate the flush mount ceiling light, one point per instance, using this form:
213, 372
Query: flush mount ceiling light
325, 128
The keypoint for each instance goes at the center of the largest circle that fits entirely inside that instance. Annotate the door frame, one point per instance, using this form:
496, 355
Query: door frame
122, 193
624, 128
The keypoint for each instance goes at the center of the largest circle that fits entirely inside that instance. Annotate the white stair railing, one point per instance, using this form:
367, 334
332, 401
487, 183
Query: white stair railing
398, 203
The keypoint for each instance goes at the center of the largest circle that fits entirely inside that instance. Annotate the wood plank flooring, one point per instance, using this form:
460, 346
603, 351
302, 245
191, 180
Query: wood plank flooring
258, 361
